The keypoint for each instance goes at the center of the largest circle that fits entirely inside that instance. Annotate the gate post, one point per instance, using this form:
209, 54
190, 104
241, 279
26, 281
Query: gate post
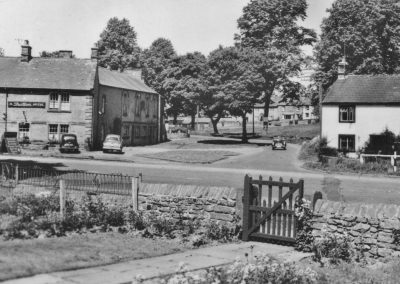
246, 203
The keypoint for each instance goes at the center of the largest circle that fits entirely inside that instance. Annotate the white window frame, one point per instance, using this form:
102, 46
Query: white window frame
54, 135
65, 104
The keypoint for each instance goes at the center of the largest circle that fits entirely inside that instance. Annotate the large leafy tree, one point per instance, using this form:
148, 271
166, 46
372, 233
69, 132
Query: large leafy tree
272, 27
1, 52
190, 84
367, 32
159, 65
118, 49
236, 73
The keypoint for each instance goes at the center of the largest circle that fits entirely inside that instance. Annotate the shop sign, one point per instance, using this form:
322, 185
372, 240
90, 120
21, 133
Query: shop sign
26, 104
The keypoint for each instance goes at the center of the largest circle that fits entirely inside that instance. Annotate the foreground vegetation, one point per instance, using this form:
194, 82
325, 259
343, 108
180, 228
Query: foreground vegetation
92, 232
317, 155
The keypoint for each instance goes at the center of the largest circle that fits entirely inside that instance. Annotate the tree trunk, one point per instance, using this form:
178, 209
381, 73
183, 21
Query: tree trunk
244, 128
266, 113
214, 122
175, 121
193, 121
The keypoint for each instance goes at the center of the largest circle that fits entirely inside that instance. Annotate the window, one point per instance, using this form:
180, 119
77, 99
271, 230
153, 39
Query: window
307, 114
125, 104
126, 131
53, 101
307, 107
137, 105
64, 128
103, 104
347, 143
143, 132
287, 116
53, 132
59, 102
137, 131
65, 105
23, 130
347, 114
147, 106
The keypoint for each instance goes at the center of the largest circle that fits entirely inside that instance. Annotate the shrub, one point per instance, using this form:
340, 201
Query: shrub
261, 269
382, 143
304, 237
335, 247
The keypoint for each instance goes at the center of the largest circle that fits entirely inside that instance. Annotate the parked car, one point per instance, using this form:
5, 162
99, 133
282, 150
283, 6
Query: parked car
112, 143
279, 143
69, 143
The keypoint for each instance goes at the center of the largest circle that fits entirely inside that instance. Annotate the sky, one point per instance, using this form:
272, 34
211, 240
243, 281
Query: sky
191, 25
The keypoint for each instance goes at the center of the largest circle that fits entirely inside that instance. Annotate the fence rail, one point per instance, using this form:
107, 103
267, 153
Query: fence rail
13, 174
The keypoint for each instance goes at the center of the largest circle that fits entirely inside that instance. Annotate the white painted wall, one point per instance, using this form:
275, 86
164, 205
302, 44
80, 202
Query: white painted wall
369, 120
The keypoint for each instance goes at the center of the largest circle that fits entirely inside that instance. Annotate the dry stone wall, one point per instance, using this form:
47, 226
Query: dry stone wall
370, 226
189, 201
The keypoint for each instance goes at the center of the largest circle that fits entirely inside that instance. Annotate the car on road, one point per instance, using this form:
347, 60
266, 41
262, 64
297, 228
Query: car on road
69, 143
278, 142
112, 143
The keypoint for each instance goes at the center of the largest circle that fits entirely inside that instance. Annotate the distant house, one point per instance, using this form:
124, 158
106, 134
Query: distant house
285, 111
43, 98
358, 106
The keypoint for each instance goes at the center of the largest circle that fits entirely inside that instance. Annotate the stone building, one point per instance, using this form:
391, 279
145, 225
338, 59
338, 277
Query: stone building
43, 98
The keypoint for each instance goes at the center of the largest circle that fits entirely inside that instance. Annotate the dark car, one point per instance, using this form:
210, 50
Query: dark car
69, 143
279, 143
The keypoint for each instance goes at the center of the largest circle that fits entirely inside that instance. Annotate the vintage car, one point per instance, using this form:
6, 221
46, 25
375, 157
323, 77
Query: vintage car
69, 143
279, 143
112, 143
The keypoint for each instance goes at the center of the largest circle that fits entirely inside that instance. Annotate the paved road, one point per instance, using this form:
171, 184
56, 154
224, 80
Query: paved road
334, 187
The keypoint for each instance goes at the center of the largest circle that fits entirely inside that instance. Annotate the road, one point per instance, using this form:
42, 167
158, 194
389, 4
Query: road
350, 188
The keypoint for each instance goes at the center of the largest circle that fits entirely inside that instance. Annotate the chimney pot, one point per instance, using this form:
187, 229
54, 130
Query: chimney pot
342, 69
95, 52
26, 52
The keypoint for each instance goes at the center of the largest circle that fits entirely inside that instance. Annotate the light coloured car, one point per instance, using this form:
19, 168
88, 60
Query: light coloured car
112, 143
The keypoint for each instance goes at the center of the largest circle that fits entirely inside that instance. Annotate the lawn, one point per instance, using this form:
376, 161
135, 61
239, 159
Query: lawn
22, 258
293, 133
189, 156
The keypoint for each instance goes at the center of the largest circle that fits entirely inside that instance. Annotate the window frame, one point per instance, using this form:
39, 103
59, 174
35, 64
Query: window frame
62, 104
353, 120
56, 133
54, 104
341, 136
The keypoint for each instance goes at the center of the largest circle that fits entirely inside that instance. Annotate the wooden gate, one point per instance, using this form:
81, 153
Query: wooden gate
269, 214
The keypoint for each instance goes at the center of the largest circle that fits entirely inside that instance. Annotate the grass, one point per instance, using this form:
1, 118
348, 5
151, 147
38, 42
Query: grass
188, 156
293, 133
22, 258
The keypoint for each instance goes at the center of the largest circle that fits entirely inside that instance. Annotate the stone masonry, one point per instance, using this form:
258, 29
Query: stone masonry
215, 203
370, 226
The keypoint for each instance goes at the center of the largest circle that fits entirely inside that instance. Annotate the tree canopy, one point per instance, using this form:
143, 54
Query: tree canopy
272, 27
237, 75
1, 52
367, 32
52, 54
118, 49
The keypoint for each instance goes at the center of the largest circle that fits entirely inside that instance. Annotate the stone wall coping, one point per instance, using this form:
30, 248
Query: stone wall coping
194, 191
361, 210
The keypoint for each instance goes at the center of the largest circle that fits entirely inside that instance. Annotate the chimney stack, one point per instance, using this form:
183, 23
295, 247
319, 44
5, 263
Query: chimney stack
95, 52
65, 53
26, 52
342, 69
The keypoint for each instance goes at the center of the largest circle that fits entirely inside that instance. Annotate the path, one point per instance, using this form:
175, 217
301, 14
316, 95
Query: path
150, 268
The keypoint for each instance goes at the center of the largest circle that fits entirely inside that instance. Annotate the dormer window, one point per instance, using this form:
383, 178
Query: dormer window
347, 114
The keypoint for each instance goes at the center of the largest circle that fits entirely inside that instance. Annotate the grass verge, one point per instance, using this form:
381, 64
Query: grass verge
195, 157
22, 258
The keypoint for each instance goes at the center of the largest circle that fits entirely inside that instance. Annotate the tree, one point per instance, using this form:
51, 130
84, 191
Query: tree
118, 49
159, 63
236, 73
1, 52
367, 32
271, 26
190, 83
51, 54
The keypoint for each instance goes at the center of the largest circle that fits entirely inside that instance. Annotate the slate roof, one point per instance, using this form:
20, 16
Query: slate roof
47, 73
122, 80
365, 89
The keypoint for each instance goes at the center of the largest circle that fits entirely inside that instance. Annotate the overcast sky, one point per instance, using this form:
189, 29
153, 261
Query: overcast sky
191, 25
